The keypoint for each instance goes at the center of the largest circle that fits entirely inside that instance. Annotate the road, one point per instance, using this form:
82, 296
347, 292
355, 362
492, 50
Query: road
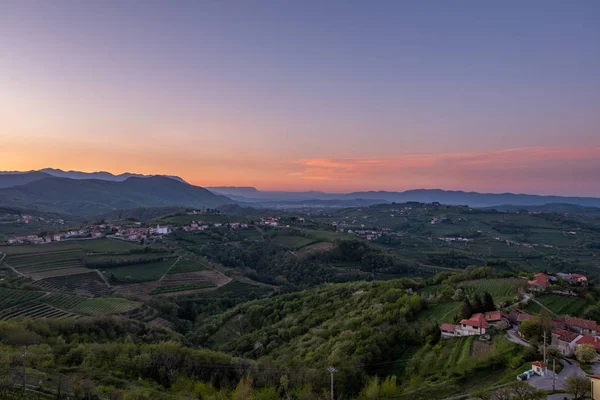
511, 335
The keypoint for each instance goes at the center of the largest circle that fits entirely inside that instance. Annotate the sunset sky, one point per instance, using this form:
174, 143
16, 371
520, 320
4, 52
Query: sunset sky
302, 95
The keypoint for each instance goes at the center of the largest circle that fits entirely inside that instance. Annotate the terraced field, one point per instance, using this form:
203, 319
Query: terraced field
87, 284
140, 272
35, 309
105, 305
292, 241
13, 297
187, 265
501, 289
574, 306
95, 306
40, 265
182, 287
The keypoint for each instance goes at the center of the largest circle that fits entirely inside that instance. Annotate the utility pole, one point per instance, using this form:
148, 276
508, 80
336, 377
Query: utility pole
553, 374
332, 371
544, 347
24, 372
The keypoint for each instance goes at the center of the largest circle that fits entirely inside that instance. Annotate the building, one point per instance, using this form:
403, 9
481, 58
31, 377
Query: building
539, 368
517, 316
448, 330
495, 318
581, 326
565, 341
476, 325
595, 386
539, 282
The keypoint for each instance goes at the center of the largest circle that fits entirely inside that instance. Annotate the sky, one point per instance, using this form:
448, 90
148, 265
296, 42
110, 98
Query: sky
307, 95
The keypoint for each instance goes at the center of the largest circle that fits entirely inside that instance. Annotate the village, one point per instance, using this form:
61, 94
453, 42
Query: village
134, 231
572, 339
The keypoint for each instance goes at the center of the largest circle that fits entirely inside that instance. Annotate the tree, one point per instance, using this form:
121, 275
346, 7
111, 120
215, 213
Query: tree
585, 353
243, 390
466, 309
531, 329
516, 391
477, 304
578, 386
488, 302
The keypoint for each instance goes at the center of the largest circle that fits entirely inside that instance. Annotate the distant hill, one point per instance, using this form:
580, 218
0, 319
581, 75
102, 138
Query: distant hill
94, 196
17, 178
559, 208
10, 179
451, 197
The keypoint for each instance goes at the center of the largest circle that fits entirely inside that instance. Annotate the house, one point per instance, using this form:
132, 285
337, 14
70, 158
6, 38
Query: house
539, 368
517, 316
579, 279
589, 340
448, 330
565, 341
495, 318
539, 282
580, 325
595, 382
476, 325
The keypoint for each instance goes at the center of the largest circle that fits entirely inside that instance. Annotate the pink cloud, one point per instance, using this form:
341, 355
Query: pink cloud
540, 169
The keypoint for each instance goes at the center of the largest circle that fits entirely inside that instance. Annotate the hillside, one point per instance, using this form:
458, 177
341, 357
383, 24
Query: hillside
93, 196
10, 179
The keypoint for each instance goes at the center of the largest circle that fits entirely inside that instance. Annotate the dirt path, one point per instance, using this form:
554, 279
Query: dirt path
3, 257
170, 268
103, 278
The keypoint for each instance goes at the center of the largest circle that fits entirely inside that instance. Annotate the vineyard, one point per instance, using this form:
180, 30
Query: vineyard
40, 265
95, 306
182, 287
35, 309
87, 284
186, 265
12, 297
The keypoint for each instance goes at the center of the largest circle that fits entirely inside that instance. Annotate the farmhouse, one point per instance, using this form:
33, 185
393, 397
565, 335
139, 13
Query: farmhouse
539, 282
581, 326
476, 325
565, 341
517, 316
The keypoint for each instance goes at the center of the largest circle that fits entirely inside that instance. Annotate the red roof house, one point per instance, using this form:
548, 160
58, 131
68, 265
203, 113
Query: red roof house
591, 340
583, 326
539, 282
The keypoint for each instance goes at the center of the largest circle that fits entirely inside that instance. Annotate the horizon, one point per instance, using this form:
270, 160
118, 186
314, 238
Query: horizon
335, 97
299, 191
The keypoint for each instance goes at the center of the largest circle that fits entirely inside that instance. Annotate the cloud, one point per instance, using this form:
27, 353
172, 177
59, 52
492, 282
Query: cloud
538, 168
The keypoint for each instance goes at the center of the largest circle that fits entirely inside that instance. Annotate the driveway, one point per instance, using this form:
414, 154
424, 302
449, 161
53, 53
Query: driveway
511, 335
545, 382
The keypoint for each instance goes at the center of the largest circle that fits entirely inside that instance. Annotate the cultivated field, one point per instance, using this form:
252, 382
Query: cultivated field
188, 265
35, 309
87, 306
89, 284
13, 297
574, 306
40, 265
186, 287
140, 272
501, 289
292, 241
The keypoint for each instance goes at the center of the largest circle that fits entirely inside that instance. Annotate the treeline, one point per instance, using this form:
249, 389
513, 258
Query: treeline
121, 262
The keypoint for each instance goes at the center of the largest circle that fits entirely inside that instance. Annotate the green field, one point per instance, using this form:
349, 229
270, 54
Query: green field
501, 289
105, 305
182, 287
107, 246
440, 313
12, 297
140, 272
186, 265
574, 306
292, 241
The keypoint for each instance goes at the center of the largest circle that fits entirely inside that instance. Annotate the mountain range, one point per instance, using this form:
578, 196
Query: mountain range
15, 178
452, 197
96, 193
87, 197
